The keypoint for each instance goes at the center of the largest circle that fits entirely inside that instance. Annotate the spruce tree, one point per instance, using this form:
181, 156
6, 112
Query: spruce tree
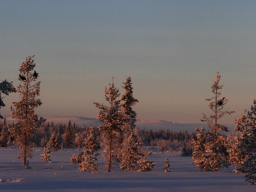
55, 141
131, 144
46, 156
127, 102
200, 156
79, 138
246, 146
110, 117
214, 146
131, 151
24, 109
4, 134
89, 157
235, 156
144, 164
187, 148
68, 136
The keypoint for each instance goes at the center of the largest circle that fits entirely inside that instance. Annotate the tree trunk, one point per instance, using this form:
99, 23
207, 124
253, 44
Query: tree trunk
25, 156
109, 155
25, 150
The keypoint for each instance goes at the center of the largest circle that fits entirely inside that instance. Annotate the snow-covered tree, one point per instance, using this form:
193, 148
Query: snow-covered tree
4, 134
127, 102
46, 156
246, 146
167, 165
75, 159
68, 136
187, 148
144, 164
79, 138
24, 109
89, 157
5, 88
131, 151
214, 146
44, 134
55, 141
200, 156
235, 157
110, 116
132, 155
163, 145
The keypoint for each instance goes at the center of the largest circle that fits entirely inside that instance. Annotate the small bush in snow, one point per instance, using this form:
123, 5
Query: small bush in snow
167, 165
144, 164
46, 156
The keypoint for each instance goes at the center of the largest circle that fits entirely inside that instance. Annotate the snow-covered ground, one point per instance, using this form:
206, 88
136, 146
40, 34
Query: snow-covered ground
62, 176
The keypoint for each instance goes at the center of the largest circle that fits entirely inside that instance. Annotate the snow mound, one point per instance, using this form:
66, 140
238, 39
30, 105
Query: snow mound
16, 180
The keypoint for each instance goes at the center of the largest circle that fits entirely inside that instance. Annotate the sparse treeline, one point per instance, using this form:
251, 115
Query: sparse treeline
212, 148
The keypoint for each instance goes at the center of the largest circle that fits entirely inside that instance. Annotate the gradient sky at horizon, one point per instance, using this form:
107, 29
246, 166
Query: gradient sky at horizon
171, 49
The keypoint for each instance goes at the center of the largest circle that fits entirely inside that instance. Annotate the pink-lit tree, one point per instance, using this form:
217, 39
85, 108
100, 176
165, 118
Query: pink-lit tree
24, 110
210, 147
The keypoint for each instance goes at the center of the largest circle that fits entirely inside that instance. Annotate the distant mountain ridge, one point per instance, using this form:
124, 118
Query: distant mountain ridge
147, 124
141, 124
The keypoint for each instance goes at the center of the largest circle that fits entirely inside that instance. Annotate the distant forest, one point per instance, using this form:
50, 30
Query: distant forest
149, 137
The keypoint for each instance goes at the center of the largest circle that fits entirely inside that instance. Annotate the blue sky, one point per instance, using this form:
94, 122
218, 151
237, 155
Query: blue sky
171, 49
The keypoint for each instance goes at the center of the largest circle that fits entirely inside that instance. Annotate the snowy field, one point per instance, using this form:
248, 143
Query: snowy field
62, 176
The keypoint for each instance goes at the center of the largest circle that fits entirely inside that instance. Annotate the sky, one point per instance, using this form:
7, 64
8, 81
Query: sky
172, 49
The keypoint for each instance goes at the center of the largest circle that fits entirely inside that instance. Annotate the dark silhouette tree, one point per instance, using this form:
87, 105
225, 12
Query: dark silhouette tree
5, 88
68, 136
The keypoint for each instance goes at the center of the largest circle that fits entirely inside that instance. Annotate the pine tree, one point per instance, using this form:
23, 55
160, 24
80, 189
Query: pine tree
167, 165
246, 147
24, 109
5, 88
68, 136
214, 146
89, 157
46, 156
55, 141
110, 116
